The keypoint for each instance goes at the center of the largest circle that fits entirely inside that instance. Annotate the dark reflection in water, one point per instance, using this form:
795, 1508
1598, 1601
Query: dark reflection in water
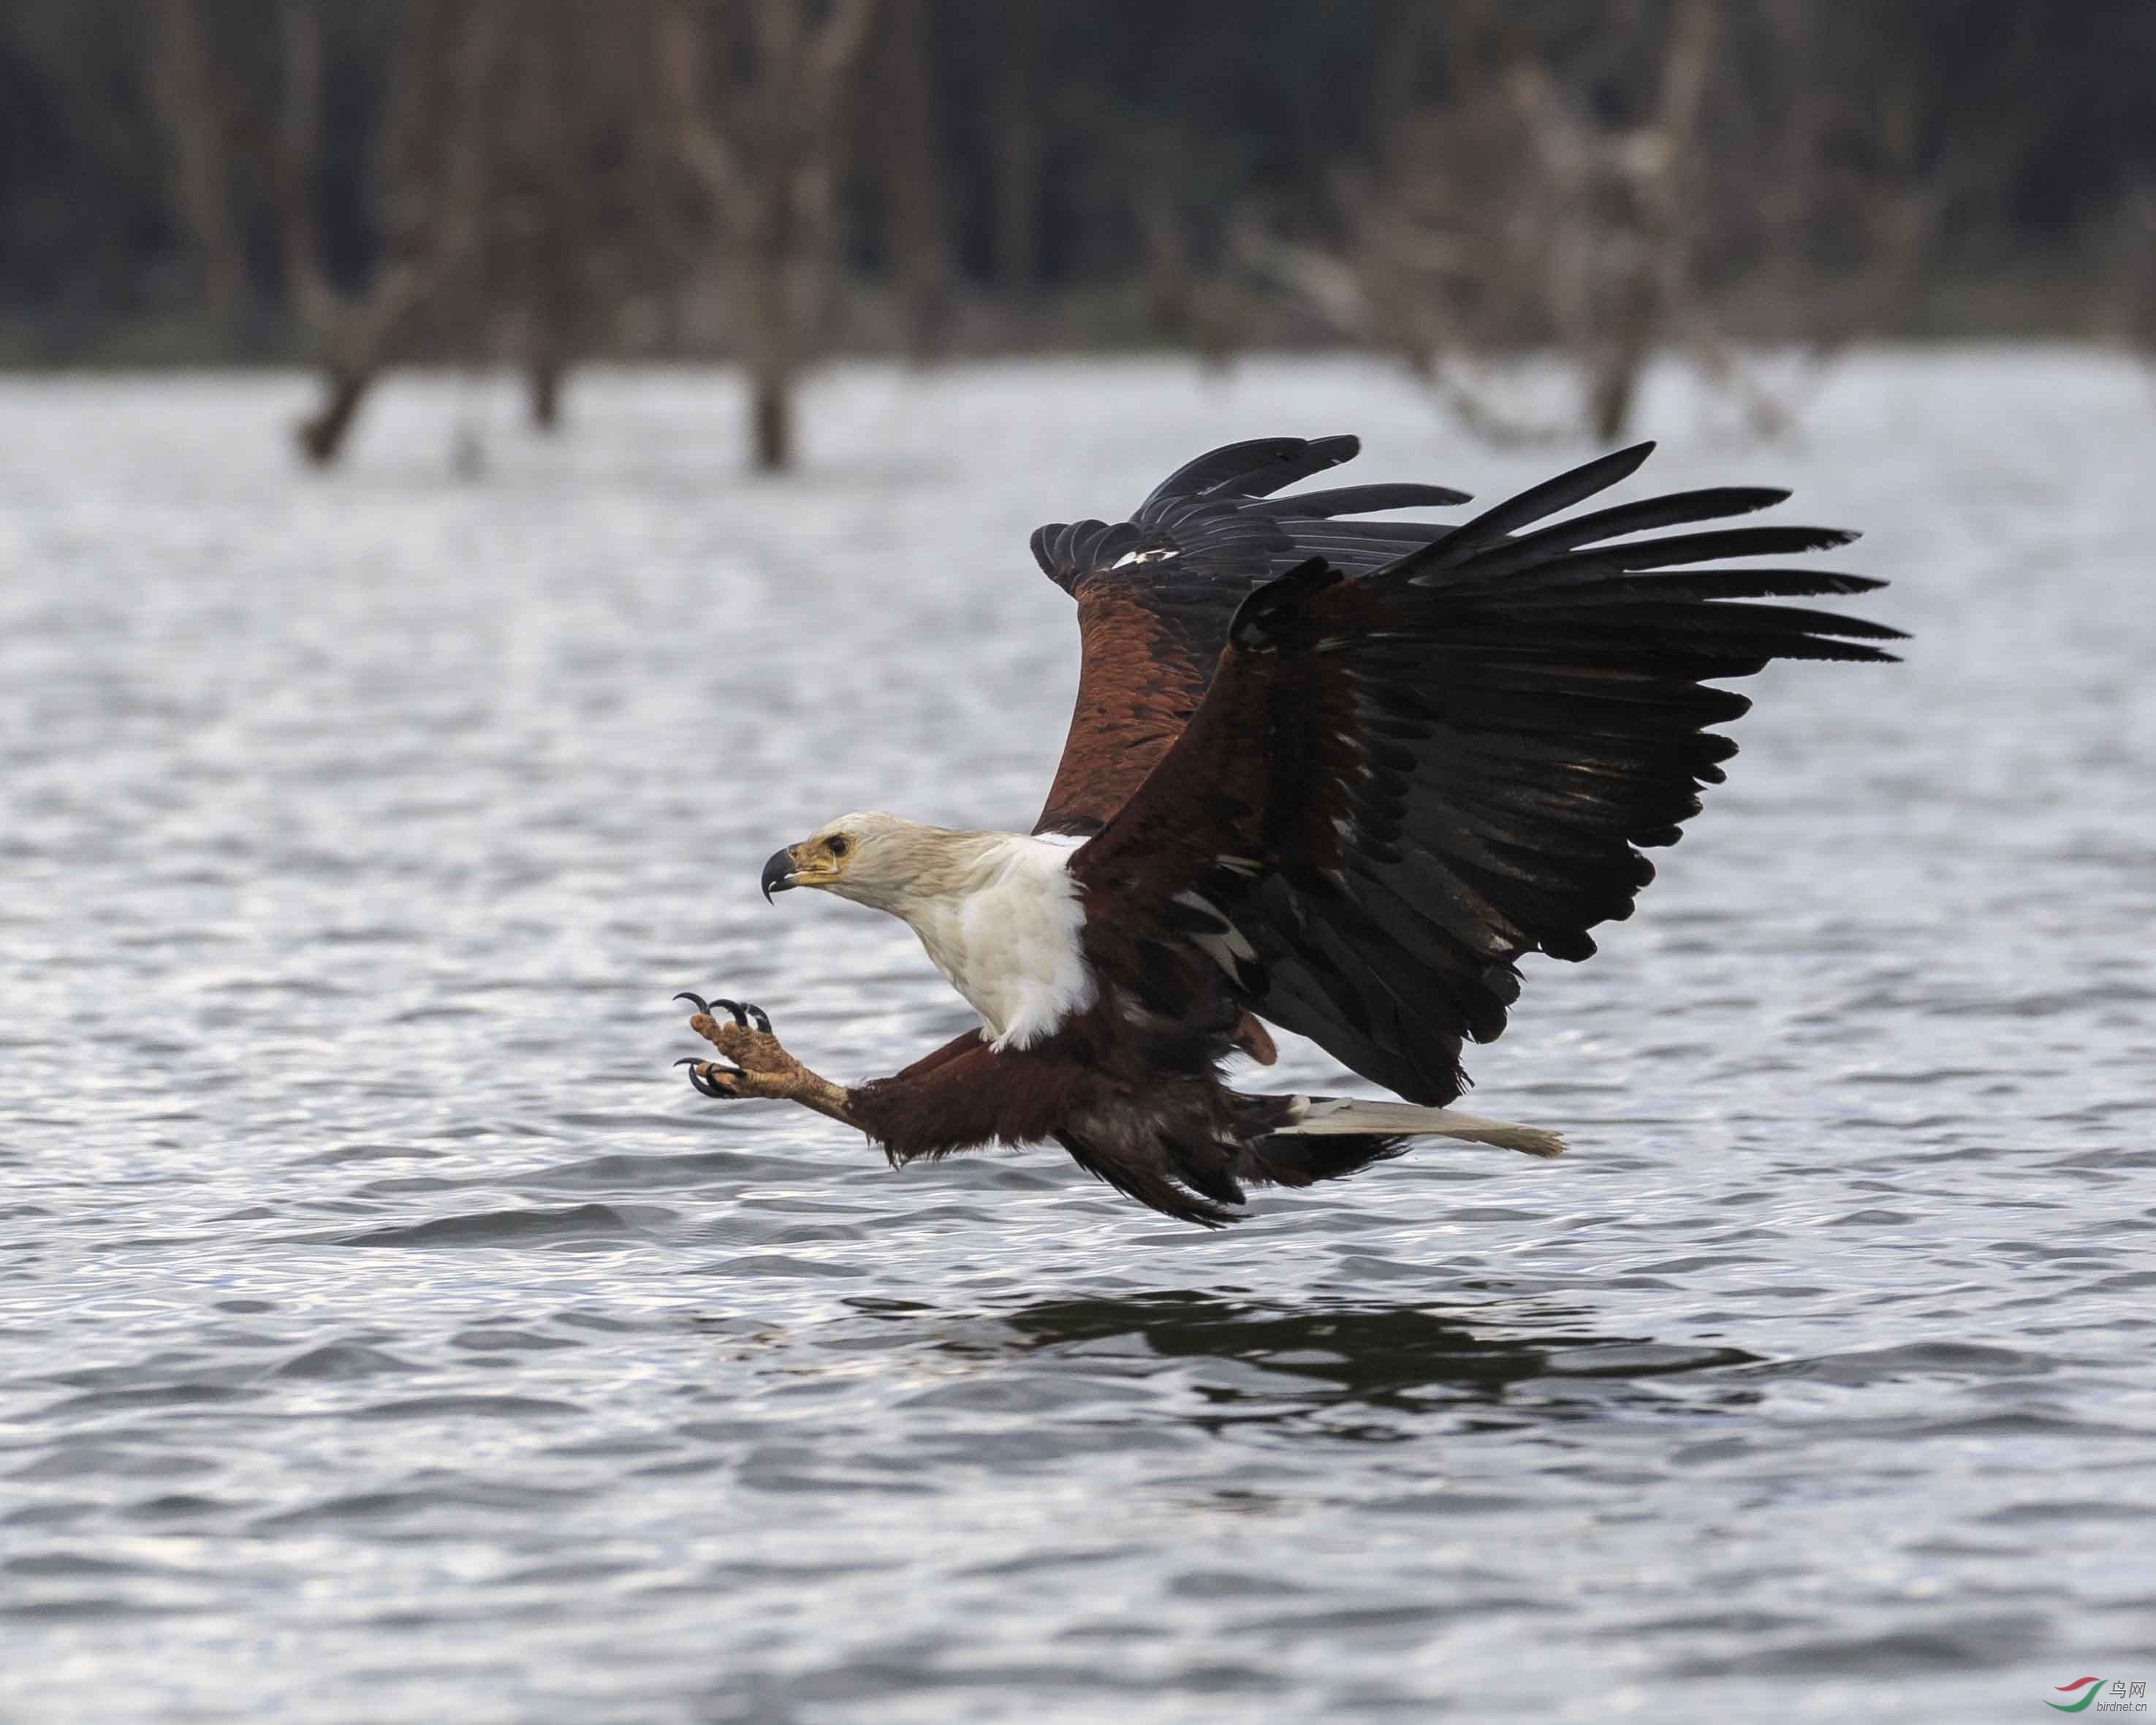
1384, 1355
1404, 1358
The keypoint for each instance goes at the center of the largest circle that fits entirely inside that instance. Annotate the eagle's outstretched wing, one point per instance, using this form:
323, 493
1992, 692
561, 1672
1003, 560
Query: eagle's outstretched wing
1155, 594
1400, 781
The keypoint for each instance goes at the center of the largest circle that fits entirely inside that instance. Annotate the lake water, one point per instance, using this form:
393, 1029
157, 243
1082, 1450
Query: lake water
387, 1331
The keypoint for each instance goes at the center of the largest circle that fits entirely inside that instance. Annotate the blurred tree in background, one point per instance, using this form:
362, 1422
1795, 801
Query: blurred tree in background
767, 149
365, 183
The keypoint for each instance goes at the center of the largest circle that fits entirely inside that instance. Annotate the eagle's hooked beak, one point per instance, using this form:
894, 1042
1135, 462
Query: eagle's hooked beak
777, 873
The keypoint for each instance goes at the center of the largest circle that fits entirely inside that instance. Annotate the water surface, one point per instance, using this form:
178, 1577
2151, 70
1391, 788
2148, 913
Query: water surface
387, 1331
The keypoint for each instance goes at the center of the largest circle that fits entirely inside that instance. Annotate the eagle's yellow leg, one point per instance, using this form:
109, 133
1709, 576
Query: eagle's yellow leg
761, 1067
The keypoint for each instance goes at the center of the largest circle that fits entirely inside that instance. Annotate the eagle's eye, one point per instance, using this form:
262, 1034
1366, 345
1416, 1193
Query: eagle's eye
837, 846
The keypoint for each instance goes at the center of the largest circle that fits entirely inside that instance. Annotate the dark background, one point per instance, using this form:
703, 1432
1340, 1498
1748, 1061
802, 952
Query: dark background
214, 180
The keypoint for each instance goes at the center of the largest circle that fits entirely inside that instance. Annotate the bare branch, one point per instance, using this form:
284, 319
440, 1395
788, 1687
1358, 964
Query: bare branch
291, 163
834, 49
703, 149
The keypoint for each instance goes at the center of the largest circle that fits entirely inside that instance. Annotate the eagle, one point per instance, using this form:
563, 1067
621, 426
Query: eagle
1328, 773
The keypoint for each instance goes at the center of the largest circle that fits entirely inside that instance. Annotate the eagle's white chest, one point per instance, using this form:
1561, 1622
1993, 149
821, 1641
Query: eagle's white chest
1008, 941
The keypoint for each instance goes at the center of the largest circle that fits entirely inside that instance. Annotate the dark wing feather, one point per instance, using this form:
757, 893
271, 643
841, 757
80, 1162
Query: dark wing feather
1153, 627
1399, 784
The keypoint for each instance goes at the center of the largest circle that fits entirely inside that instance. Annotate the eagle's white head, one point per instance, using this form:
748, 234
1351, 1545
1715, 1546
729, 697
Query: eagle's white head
881, 860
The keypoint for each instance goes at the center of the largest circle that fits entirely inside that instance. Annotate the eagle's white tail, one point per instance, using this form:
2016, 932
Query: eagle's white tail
1353, 1114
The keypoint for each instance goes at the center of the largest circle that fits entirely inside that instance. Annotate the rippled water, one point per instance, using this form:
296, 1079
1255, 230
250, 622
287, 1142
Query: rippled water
387, 1331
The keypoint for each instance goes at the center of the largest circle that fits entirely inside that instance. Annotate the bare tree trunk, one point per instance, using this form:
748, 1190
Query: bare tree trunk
322, 433
1168, 280
1658, 289
437, 174
543, 385
913, 175
1614, 385
184, 87
770, 317
771, 412
2134, 271
290, 150
1619, 262
768, 175
555, 235
1017, 156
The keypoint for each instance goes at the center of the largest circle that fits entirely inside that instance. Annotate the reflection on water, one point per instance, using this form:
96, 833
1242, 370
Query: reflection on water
1385, 1355
1316, 1364
386, 1331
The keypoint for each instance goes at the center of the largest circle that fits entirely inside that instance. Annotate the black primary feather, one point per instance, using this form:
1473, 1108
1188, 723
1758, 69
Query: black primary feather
1225, 531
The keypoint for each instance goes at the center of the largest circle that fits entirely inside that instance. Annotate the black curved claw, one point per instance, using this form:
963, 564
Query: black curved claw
763, 1017
700, 1079
733, 1007
696, 1001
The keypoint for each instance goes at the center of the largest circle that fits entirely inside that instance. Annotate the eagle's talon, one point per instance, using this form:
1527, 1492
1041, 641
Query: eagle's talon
694, 1000
733, 1007
762, 1018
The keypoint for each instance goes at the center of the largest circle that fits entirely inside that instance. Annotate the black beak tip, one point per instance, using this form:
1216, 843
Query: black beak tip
777, 874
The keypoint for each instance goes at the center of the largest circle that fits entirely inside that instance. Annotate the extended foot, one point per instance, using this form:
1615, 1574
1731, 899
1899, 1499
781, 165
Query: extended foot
760, 1067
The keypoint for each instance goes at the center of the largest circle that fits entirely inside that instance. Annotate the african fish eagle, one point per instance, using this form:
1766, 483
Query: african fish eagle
1339, 775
